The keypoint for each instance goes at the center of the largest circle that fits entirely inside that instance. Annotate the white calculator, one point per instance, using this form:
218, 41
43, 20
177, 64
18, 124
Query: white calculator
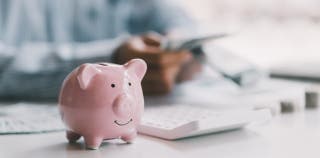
180, 121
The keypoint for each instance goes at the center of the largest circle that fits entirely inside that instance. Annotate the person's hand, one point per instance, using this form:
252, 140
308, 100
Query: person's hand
164, 67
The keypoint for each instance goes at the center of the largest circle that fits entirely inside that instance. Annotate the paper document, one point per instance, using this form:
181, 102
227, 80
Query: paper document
25, 118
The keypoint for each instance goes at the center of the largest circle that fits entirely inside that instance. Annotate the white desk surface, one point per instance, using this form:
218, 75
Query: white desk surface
292, 135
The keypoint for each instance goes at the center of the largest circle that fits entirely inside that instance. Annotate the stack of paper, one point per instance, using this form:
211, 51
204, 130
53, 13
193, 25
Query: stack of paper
29, 118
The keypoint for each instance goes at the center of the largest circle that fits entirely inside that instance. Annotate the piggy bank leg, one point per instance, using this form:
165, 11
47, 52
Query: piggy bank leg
72, 137
92, 143
129, 137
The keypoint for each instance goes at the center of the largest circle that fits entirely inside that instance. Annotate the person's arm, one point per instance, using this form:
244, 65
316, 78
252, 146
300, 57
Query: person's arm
36, 70
93, 51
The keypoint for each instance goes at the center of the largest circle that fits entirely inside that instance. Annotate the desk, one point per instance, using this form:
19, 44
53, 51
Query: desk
292, 135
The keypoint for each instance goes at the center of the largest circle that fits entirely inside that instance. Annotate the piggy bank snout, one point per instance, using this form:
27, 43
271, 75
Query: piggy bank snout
123, 106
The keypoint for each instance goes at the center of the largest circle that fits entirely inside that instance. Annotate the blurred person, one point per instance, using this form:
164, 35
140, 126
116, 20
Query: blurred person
41, 41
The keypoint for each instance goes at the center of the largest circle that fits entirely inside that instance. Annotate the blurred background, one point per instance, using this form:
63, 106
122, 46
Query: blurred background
42, 41
268, 32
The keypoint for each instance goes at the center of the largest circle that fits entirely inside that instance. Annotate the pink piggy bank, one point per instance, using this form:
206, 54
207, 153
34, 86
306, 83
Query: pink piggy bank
103, 101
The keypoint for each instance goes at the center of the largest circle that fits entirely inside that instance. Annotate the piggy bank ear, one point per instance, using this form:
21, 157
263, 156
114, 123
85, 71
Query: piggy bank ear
137, 66
85, 74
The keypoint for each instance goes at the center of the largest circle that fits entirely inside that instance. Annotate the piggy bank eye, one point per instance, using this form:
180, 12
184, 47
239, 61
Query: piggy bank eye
129, 84
113, 85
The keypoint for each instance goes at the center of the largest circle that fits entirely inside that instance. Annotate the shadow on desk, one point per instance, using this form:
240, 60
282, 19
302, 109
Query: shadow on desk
226, 143
216, 139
